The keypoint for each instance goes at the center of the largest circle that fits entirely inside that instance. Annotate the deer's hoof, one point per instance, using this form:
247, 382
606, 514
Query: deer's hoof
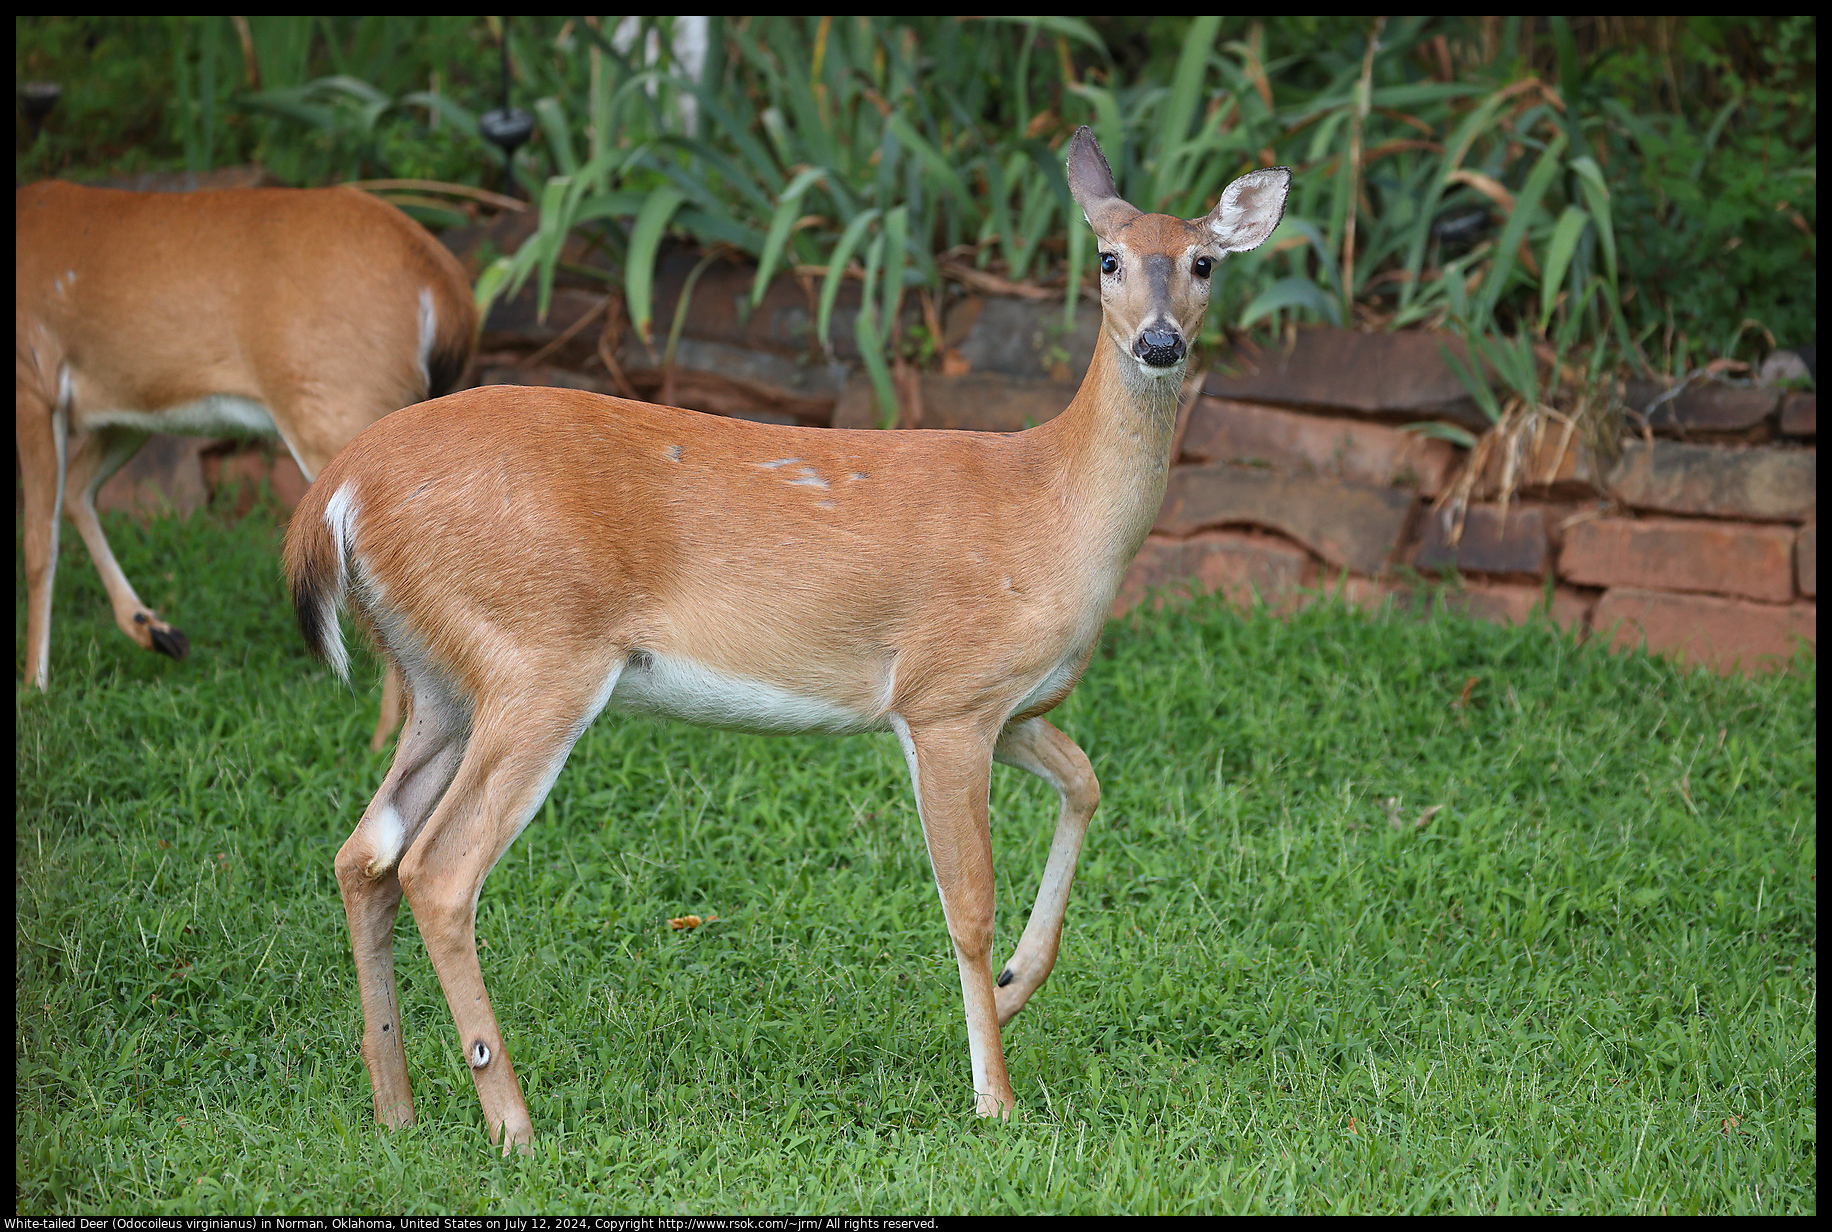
169, 641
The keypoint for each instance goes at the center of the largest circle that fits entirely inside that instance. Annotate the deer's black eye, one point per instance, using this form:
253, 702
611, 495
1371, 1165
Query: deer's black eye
1203, 267
1109, 264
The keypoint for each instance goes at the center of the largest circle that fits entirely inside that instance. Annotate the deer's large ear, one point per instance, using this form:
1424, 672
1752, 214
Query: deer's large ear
1091, 184
1249, 209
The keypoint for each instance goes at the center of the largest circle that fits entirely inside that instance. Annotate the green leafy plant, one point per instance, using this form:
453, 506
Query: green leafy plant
1644, 180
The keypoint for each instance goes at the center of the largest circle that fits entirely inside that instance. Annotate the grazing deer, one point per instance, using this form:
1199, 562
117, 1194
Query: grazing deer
304, 313
530, 557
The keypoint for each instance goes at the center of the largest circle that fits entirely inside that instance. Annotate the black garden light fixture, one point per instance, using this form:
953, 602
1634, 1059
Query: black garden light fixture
506, 127
36, 98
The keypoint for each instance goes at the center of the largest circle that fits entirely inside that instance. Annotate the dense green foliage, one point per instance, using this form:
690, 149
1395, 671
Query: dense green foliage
1637, 188
1376, 915
1717, 204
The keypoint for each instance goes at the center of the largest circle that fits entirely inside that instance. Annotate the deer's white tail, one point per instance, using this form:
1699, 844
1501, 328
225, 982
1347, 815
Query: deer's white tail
319, 557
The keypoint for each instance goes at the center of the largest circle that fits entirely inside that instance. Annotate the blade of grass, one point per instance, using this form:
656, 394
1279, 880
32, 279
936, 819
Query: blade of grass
896, 260
1564, 246
1472, 381
836, 271
1526, 206
645, 246
776, 239
1180, 105
1456, 149
1296, 291
552, 116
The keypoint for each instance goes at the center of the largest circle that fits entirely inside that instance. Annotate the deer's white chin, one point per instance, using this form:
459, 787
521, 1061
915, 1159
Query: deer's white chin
1160, 374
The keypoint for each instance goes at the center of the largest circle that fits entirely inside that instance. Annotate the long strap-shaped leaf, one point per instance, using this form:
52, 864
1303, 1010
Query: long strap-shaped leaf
776, 240
645, 245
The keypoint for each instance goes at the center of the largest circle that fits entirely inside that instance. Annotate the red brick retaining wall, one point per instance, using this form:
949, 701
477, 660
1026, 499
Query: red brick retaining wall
1296, 475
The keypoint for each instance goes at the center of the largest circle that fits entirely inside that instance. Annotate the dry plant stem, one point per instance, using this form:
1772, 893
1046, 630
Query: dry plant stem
991, 284
608, 338
1363, 97
481, 195
906, 379
567, 335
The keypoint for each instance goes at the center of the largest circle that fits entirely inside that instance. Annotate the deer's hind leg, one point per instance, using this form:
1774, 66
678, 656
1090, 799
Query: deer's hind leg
515, 751
99, 455
431, 747
42, 437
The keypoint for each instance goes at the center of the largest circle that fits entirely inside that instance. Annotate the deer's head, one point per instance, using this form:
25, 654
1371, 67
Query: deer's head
1155, 269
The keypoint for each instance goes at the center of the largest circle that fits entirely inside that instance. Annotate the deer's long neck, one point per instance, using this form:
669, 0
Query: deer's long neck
1113, 444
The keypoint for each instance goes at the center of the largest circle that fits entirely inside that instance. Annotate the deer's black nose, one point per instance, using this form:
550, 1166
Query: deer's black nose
1159, 346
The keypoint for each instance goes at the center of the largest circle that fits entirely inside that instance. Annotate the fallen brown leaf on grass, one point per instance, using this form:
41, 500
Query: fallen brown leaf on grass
689, 921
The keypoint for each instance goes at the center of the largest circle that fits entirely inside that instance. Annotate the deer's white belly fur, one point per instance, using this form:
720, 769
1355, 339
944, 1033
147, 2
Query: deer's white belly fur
679, 688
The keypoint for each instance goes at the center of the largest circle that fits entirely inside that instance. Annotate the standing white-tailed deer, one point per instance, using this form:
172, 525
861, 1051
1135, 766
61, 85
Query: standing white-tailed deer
306, 313
528, 557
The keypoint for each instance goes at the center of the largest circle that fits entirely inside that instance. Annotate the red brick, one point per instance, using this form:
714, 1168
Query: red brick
1368, 594
1344, 367
990, 402
1725, 635
1798, 414
1730, 558
289, 482
1490, 543
856, 407
1224, 430
1561, 462
242, 470
165, 476
1806, 558
1353, 526
1707, 408
1510, 603
976, 401
1513, 603
1572, 609
1242, 568
1720, 481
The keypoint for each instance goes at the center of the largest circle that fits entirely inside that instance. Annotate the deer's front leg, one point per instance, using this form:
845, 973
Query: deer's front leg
951, 770
1042, 749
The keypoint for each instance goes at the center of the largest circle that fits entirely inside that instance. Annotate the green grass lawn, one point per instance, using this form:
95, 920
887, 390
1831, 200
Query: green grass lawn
1348, 936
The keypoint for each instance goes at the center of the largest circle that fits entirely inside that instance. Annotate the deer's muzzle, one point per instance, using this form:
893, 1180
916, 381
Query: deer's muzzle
1158, 346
